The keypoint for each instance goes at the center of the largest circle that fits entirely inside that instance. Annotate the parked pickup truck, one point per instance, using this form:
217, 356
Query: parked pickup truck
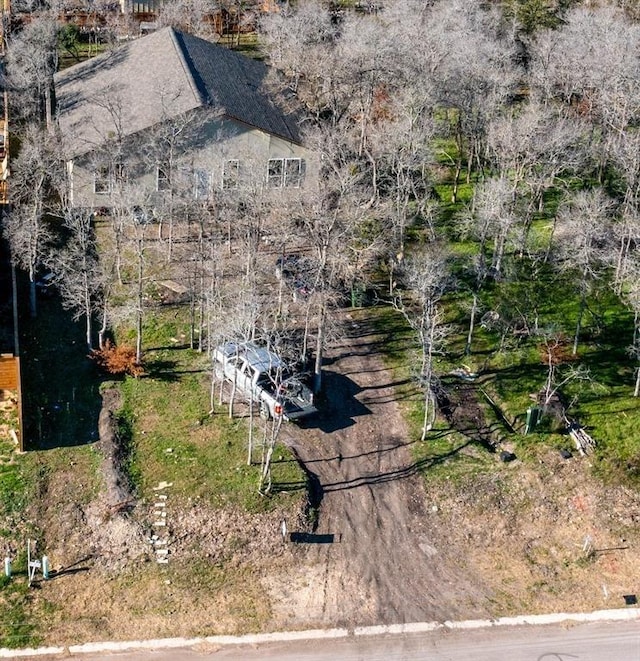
259, 374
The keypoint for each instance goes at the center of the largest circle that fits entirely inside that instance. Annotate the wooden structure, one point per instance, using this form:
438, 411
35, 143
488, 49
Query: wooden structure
4, 151
10, 380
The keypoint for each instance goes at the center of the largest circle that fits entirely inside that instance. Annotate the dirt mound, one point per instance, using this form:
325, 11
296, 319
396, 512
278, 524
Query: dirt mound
105, 532
459, 403
113, 447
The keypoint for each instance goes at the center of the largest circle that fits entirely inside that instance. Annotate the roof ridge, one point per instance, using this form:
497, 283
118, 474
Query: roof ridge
179, 46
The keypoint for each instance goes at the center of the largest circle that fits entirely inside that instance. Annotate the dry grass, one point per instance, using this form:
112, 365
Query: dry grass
546, 538
212, 583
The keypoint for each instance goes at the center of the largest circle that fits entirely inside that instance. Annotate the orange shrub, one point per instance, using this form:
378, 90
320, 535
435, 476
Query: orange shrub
117, 359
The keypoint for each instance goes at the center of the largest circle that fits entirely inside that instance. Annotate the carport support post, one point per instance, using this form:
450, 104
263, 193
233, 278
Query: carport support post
250, 451
317, 373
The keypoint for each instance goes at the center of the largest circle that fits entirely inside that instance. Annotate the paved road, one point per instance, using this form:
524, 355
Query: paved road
577, 642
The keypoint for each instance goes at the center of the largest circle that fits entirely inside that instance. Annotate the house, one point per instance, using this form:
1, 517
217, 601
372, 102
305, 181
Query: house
172, 108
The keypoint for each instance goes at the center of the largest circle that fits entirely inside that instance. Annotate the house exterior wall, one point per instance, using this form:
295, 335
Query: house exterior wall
223, 154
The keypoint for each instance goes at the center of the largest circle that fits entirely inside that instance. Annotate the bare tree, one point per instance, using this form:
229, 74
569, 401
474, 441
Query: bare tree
27, 227
589, 65
188, 15
164, 152
530, 147
582, 237
270, 437
77, 271
400, 147
426, 278
300, 43
32, 61
495, 218
629, 288
561, 369
334, 220
626, 156
472, 71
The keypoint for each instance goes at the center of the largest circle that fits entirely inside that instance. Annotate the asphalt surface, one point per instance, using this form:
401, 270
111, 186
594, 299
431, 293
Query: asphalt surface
612, 641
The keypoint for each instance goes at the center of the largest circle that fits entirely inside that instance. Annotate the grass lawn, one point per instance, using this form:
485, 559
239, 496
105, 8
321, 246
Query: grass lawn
511, 378
169, 436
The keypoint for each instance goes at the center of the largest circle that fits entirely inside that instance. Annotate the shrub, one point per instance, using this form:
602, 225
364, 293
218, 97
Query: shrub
117, 359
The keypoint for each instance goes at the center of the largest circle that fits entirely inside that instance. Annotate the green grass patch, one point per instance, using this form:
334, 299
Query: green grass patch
513, 372
25, 491
18, 626
170, 436
613, 422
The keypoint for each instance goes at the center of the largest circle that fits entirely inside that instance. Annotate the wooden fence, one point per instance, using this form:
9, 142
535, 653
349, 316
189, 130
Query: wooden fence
10, 380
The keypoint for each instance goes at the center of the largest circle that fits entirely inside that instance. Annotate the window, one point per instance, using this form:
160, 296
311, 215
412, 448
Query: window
287, 172
231, 174
102, 180
293, 172
275, 172
200, 184
163, 182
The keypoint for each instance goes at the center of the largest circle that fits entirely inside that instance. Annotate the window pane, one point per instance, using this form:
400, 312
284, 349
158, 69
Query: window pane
231, 174
293, 172
120, 172
201, 184
275, 172
102, 180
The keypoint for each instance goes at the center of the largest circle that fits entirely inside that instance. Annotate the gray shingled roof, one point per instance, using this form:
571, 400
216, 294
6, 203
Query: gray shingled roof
162, 75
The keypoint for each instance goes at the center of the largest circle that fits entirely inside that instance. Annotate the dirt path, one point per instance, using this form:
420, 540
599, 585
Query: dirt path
371, 558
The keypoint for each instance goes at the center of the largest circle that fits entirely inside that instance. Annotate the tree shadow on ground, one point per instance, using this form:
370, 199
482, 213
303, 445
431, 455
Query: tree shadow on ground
392, 444
392, 475
288, 487
61, 398
317, 489
312, 538
170, 347
161, 370
338, 406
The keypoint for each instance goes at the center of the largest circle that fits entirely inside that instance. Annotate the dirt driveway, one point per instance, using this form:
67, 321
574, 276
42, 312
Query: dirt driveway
372, 557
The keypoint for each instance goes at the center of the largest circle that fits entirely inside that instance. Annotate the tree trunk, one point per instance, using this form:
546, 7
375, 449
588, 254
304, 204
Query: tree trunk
499, 251
427, 368
212, 393
192, 317
232, 397
87, 313
576, 337
33, 309
103, 328
140, 302
305, 336
271, 435
250, 441
317, 372
456, 180
623, 252
472, 322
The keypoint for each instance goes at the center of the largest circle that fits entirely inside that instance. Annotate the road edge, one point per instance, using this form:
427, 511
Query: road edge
612, 615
